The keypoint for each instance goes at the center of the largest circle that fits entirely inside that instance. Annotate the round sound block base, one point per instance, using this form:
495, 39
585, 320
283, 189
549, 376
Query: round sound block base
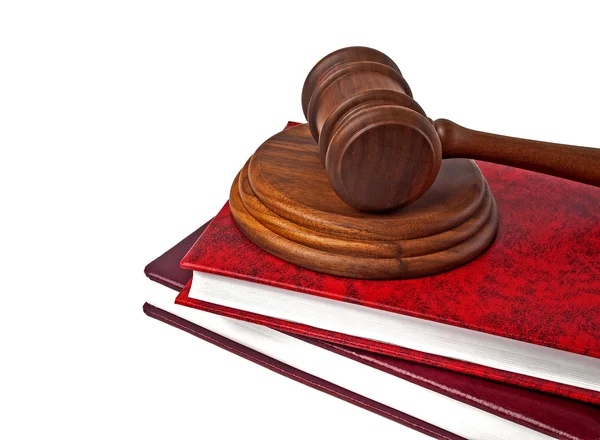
282, 201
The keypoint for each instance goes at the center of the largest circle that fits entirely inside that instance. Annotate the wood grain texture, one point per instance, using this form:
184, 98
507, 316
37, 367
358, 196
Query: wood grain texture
382, 152
581, 164
378, 147
283, 202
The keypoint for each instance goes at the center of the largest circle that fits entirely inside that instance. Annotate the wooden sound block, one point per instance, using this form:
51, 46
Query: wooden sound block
283, 202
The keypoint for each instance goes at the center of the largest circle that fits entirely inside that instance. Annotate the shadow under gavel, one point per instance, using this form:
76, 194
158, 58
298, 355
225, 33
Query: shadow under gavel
382, 152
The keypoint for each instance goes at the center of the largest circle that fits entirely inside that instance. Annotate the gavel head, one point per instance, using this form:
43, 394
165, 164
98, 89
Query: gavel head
379, 149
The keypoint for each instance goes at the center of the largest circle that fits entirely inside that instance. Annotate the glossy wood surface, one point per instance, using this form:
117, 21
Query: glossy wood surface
283, 202
381, 151
362, 190
358, 104
581, 164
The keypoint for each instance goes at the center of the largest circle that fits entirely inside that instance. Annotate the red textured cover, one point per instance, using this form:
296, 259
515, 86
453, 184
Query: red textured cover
555, 416
163, 271
539, 282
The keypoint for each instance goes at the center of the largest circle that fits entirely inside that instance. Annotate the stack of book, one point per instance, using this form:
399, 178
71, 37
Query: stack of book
507, 345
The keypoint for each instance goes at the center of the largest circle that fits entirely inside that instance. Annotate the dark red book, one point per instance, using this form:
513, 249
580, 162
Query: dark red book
555, 416
526, 312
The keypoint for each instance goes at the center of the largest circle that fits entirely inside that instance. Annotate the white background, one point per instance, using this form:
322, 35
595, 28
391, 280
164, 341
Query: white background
122, 125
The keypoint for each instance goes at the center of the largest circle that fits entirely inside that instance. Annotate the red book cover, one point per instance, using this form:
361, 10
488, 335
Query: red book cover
556, 416
539, 282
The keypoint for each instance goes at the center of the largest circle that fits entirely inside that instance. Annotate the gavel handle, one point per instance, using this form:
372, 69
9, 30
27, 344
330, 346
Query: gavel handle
580, 164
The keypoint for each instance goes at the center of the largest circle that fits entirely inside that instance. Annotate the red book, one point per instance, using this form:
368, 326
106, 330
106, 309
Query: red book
530, 303
555, 416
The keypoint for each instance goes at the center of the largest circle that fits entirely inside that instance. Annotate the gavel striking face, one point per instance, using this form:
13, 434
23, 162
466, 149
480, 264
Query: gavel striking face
382, 152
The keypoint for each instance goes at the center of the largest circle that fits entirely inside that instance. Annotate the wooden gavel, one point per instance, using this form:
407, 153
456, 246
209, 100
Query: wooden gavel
381, 151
